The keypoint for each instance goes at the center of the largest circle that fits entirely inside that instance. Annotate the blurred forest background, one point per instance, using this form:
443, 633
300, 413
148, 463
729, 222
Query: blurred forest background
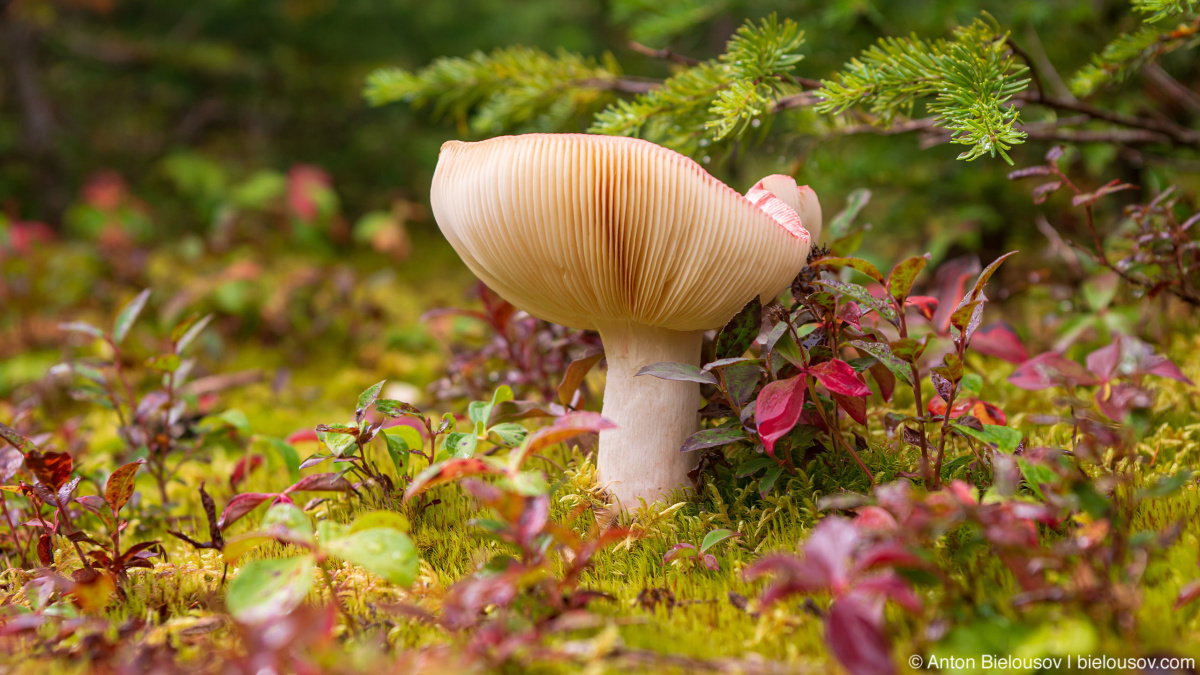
194, 107
223, 153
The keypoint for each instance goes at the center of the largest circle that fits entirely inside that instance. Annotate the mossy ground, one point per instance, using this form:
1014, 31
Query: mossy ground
181, 600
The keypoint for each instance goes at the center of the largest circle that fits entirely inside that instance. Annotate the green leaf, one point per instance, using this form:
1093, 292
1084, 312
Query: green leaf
81, 327
863, 297
341, 439
883, 353
193, 329
374, 519
847, 244
232, 418
753, 466
987, 273
509, 434
478, 411
286, 521
381, 550
128, 315
119, 487
285, 454
18, 441
683, 372
715, 537
962, 317
392, 408
840, 225
366, 398
768, 480
412, 438
269, 589
460, 445
739, 332
1006, 438
164, 363
397, 449
853, 263
901, 279
1036, 476
710, 438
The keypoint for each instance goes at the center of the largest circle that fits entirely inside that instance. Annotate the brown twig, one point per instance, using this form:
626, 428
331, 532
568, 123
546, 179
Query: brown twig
622, 84
1173, 132
663, 54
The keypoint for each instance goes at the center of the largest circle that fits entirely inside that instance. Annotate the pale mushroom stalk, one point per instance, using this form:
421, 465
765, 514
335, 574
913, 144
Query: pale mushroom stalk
633, 240
651, 414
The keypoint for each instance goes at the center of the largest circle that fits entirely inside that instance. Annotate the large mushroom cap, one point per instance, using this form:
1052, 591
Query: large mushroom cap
581, 229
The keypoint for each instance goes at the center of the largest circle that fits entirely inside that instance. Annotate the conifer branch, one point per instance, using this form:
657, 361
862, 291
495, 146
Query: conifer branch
970, 80
1129, 52
716, 99
512, 88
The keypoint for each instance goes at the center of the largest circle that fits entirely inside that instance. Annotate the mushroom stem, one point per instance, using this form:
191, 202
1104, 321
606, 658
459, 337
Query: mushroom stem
641, 458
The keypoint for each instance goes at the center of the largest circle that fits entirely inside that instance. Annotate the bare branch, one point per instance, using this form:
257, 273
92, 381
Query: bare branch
663, 54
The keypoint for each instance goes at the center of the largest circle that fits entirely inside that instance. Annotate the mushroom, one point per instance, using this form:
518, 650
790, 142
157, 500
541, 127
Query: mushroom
635, 241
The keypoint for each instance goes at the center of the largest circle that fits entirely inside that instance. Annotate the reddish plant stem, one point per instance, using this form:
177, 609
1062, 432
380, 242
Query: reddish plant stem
902, 326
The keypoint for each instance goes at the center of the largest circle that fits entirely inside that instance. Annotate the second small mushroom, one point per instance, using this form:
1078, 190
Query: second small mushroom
632, 240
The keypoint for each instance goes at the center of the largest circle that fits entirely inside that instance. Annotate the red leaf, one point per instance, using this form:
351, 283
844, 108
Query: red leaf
444, 472
567, 427
1166, 368
1104, 361
240, 505
875, 518
303, 436
937, 406
10, 462
988, 413
839, 378
576, 372
22, 236
320, 482
533, 519
778, 408
51, 468
1115, 185
951, 282
1000, 340
855, 407
854, 633
792, 575
240, 470
1050, 370
305, 183
893, 587
885, 379
45, 549
1117, 401
1188, 593
925, 304
851, 313
119, 487
829, 548
888, 554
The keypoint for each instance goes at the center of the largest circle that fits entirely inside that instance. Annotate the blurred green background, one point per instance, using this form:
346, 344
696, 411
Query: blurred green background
221, 152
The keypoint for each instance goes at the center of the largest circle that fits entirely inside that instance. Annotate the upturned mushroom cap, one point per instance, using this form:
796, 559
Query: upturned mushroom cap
581, 229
